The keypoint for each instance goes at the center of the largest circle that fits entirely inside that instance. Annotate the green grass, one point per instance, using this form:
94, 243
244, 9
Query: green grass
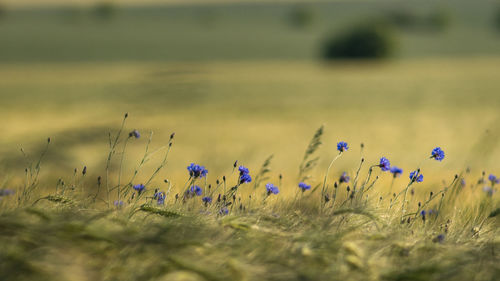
71, 234
69, 243
239, 82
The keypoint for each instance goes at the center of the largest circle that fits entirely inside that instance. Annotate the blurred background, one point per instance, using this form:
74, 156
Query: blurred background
241, 80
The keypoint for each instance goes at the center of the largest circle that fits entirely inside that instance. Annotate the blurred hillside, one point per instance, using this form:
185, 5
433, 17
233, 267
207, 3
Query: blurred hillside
243, 31
24, 3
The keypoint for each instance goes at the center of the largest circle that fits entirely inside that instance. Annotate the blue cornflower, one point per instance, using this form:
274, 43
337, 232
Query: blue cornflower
6, 192
428, 212
423, 213
344, 178
139, 187
243, 170
493, 179
416, 176
223, 211
197, 171
462, 182
384, 165
439, 238
118, 203
134, 134
304, 186
161, 198
196, 190
437, 153
488, 190
271, 188
342, 146
396, 171
245, 178
207, 199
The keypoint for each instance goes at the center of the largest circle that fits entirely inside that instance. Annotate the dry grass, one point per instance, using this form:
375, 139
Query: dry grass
224, 112
71, 234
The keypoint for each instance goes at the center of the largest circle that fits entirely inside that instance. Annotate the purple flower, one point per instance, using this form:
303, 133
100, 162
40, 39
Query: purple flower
493, 179
134, 134
488, 190
196, 190
304, 186
207, 199
428, 212
396, 171
272, 189
342, 146
118, 204
244, 175
344, 178
223, 211
415, 176
462, 182
245, 178
197, 171
6, 192
243, 170
384, 165
139, 187
160, 198
437, 153
438, 239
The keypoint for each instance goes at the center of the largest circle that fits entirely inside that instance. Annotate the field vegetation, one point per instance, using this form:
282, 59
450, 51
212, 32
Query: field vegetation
242, 227
243, 90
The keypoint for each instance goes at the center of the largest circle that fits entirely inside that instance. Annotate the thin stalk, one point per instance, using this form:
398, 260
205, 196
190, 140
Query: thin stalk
326, 177
110, 155
161, 166
121, 167
355, 181
434, 196
143, 161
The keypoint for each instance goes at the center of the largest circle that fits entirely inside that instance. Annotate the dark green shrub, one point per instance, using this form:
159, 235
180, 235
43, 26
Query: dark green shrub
3, 11
403, 18
366, 41
436, 20
301, 16
439, 19
497, 20
103, 11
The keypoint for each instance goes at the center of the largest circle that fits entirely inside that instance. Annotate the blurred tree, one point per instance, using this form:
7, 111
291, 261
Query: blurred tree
301, 16
497, 19
3, 11
439, 19
104, 11
403, 18
371, 40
